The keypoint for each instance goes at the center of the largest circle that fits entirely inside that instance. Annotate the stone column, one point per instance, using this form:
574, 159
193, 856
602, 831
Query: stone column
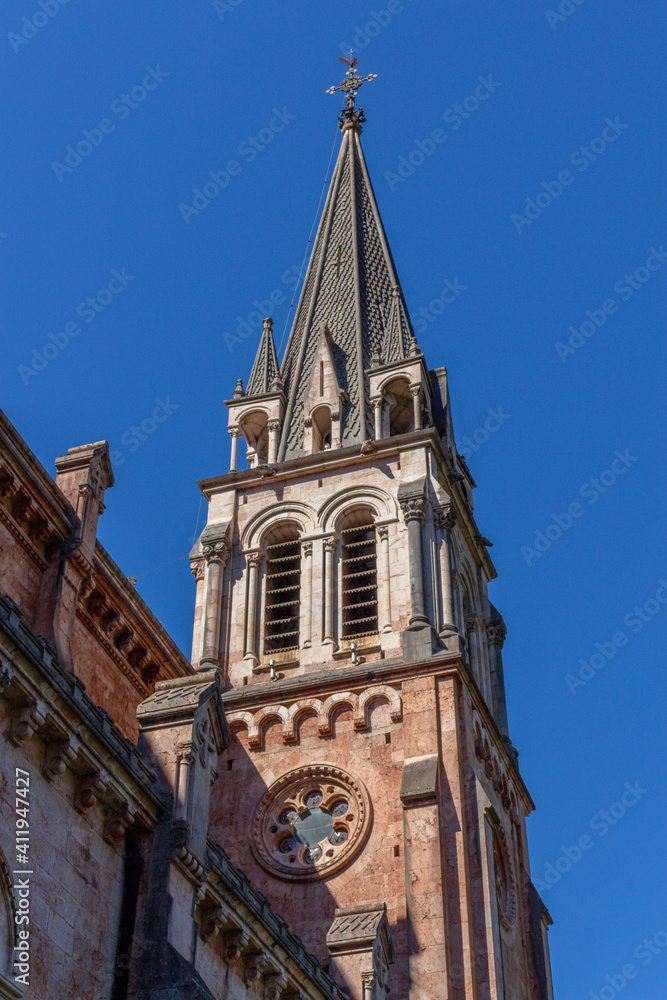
416, 391
444, 519
253, 562
378, 403
414, 512
216, 553
198, 569
473, 651
384, 608
235, 434
274, 427
495, 636
419, 639
329, 592
306, 593
335, 429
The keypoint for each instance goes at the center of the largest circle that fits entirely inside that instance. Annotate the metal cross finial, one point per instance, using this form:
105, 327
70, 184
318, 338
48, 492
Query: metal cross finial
350, 86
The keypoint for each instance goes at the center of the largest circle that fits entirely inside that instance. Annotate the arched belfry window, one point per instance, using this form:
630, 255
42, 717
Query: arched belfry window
255, 430
282, 600
359, 590
398, 397
321, 428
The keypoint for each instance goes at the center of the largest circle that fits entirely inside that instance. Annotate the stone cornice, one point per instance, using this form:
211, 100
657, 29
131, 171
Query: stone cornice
326, 683
26, 461
269, 930
49, 702
136, 610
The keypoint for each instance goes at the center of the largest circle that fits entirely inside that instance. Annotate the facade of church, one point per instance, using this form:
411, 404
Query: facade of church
324, 803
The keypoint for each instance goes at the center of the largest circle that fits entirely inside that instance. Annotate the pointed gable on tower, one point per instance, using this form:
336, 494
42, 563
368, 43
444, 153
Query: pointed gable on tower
323, 398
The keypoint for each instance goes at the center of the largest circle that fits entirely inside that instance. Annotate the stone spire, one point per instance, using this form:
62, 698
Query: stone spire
265, 370
351, 287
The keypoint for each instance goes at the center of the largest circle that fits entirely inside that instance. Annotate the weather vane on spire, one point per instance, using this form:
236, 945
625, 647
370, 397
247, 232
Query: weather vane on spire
350, 86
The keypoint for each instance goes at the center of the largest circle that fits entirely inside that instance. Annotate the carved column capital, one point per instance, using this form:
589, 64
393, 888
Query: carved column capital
273, 425
383, 532
197, 568
330, 543
235, 432
495, 633
306, 548
444, 517
416, 389
254, 559
471, 623
216, 551
186, 753
413, 507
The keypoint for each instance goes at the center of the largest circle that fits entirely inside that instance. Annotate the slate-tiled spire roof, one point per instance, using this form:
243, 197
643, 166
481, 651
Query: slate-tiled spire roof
399, 332
350, 285
265, 368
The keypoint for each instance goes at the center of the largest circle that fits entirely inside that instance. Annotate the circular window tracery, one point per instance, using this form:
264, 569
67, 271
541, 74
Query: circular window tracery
310, 822
505, 890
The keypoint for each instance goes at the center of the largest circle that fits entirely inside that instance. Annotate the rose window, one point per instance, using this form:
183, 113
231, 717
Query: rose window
310, 822
505, 890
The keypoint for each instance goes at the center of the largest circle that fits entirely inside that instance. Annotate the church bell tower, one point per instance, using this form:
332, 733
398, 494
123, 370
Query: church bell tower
371, 791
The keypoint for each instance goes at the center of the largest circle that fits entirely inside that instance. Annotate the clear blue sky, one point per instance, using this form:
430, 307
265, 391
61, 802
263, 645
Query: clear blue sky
572, 119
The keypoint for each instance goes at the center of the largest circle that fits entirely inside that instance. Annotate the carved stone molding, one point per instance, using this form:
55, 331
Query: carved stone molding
504, 872
330, 543
211, 921
216, 549
496, 632
500, 779
444, 517
360, 704
57, 755
254, 963
116, 821
89, 789
198, 568
24, 721
275, 984
413, 506
343, 803
235, 942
